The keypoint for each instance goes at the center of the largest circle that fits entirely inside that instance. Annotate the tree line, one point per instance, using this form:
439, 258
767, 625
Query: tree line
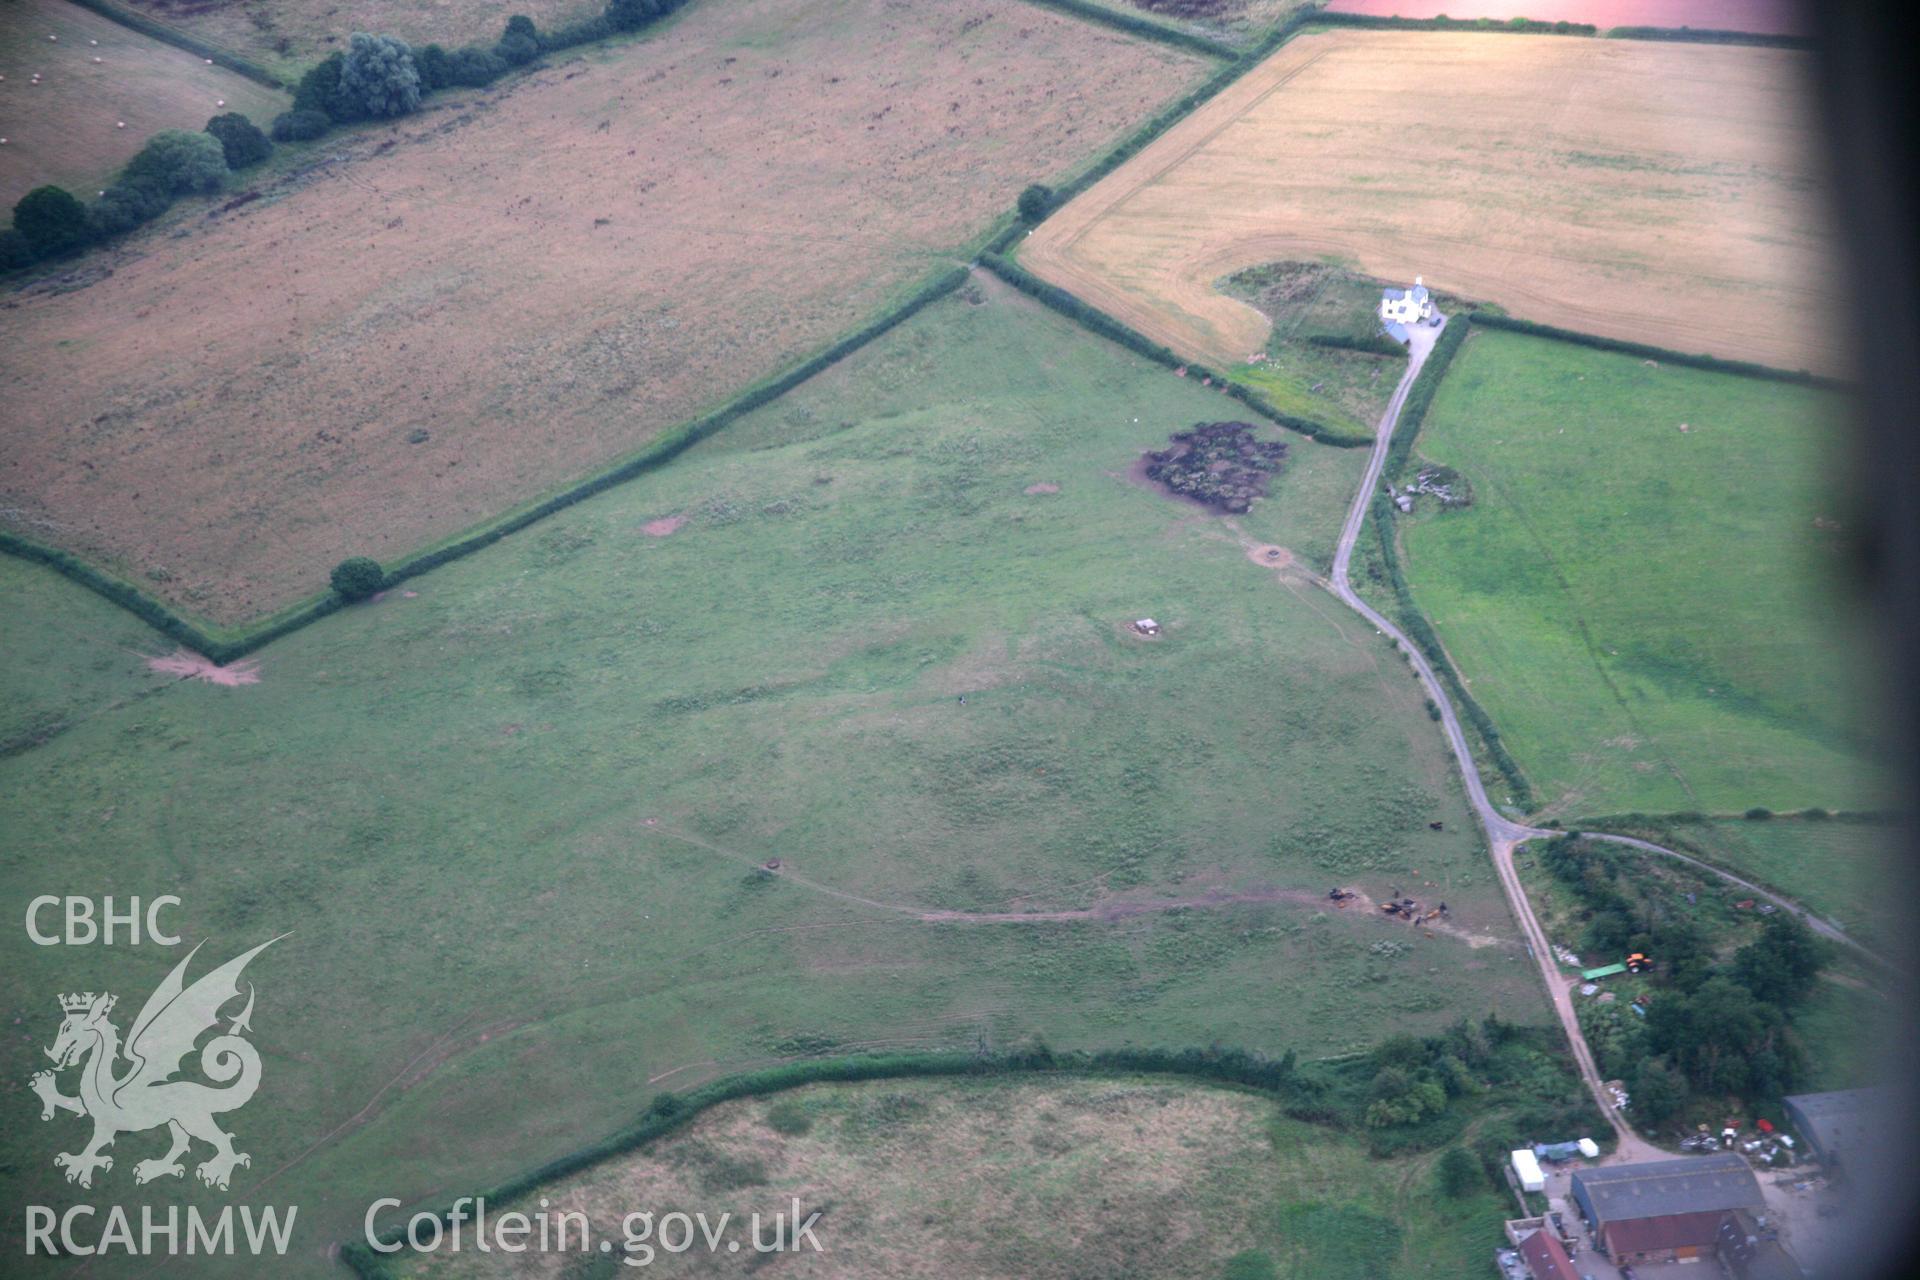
374, 78
1717, 1027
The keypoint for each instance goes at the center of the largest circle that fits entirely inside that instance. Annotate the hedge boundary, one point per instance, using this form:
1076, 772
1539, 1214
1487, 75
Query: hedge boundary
224, 645
1713, 364
181, 40
1143, 27
1440, 22
669, 1112
1099, 322
1412, 620
1708, 35
1413, 415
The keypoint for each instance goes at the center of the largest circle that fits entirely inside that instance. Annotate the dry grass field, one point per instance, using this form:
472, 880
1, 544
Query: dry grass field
288, 35
496, 296
984, 1179
66, 129
1662, 192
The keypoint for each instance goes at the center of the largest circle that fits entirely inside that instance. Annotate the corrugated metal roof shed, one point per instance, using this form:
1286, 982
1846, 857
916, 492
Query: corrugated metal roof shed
1840, 1122
1658, 1188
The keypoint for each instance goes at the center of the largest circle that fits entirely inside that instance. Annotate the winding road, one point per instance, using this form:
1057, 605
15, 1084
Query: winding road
1503, 834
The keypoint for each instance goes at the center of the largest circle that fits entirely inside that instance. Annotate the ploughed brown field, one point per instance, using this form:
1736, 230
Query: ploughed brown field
496, 296
1667, 193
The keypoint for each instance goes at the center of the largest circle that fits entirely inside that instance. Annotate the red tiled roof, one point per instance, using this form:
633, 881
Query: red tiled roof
1671, 1231
1546, 1258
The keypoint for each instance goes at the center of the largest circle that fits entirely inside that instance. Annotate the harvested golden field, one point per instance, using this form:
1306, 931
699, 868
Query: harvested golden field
103, 91
1667, 193
496, 296
289, 35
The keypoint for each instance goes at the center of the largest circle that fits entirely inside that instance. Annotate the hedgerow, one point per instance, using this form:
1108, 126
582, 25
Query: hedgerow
1745, 368
224, 647
1412, 414
670, 1112
1523, 26
181, 40
1134, 25
1695, 35
1415, 624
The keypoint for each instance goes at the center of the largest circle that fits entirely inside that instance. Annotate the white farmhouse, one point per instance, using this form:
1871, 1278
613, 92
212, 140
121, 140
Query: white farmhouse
1402, 307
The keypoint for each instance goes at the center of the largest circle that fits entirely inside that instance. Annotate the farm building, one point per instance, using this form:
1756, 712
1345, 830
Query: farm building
1751, 1253
1546, 1258
1402, 307
1837, 1125
1664, 1210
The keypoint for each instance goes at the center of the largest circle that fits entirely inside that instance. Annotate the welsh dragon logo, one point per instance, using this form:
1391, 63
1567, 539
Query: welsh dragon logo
145, 1095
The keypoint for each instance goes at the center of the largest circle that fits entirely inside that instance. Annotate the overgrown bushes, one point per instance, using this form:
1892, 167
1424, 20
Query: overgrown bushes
50, 221
378, 78
178, 162
240, 140
1716, 1027
1106, 326
1220, 464
357, 577
299, 125
1036, 202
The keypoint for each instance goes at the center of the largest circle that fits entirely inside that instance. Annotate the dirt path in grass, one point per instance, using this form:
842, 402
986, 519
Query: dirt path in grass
1106, 911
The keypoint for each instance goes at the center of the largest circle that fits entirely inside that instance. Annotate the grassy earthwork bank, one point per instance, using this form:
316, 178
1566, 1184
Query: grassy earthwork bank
875, 629
1646, 591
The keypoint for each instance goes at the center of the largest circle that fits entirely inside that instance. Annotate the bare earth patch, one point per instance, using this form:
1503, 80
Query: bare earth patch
188, 665
1043, 487
541, 279
1669, 193
664, 527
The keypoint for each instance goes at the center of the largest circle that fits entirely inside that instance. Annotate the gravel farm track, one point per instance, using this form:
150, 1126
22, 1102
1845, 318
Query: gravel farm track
1504, 835
1660, 192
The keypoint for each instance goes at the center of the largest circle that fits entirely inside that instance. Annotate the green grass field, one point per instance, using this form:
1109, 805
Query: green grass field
1651, 615
518, 850
1042, 1179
